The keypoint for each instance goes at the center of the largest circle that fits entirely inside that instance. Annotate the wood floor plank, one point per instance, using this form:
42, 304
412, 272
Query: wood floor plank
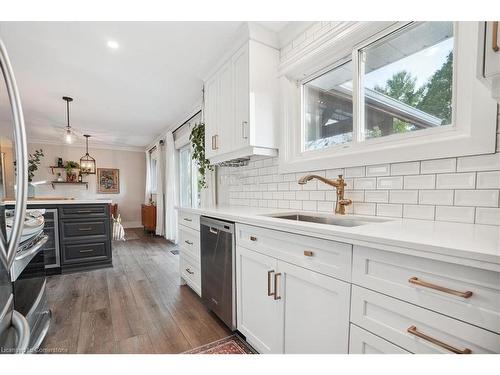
137, 306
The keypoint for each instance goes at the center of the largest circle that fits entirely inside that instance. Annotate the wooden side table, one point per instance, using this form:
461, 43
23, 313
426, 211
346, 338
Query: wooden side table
148, 217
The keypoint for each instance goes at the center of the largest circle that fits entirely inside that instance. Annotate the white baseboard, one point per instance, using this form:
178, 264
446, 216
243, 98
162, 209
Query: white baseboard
131, 224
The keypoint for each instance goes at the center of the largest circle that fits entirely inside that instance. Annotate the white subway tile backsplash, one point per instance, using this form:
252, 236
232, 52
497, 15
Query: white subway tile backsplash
456, 181
355, 172
490, 162
309, 205
272, 204
365, 183
302, 195
414, 211
442, 197
402, 169
420, 182
377, 196
488, 180
456, 214
325, 206
317, 195
390, 182
438, 166
289, 195
378, 170
490, 216
283, 204
364, 208
391, 210
403, 196
334, 173
478, 198
296, 205
354, 195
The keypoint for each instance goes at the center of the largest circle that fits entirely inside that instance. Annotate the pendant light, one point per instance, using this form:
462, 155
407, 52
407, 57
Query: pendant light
87, 162
69, 136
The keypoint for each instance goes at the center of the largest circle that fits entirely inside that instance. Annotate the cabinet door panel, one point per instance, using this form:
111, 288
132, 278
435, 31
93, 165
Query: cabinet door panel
241, 98
316, 311
259, 315
225, 110
211, 92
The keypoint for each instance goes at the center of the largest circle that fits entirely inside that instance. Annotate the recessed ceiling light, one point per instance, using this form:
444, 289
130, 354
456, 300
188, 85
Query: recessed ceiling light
113, 44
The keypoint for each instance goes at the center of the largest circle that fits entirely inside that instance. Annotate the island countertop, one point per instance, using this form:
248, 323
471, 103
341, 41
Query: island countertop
62, 201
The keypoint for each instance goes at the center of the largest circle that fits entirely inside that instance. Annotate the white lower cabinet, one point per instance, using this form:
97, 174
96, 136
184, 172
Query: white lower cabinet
283, 308
363, 342
259, 315
316, 311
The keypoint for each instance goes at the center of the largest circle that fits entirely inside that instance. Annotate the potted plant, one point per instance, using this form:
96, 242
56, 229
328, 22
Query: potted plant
34, 161
69, 166
197, 138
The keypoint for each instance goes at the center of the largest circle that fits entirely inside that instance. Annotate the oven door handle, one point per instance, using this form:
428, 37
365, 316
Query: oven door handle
33, 250
22, 328
8, 246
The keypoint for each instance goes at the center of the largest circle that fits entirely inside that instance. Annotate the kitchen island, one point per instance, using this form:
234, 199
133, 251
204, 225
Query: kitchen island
79, 234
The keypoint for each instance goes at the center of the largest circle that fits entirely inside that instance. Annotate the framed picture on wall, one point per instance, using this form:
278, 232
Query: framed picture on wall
108, 180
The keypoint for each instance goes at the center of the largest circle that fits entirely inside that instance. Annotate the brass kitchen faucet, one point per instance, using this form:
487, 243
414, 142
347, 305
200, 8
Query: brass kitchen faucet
338, 184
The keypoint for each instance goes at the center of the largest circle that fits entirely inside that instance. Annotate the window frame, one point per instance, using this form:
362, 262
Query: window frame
470, 133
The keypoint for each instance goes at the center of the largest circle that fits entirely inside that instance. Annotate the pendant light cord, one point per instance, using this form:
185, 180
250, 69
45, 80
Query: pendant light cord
67, 112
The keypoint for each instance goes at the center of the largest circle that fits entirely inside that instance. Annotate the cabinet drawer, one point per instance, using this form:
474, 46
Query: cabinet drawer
83, 211
393, 320
189, 220
327, 257
74, 253
415, 280
84, 228
190, 242
190, 272
363, 342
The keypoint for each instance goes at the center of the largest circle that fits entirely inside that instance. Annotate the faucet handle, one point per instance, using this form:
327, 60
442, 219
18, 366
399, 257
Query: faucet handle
341, 176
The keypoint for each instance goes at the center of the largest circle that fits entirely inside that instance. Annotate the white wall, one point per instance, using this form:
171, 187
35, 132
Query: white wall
132, 166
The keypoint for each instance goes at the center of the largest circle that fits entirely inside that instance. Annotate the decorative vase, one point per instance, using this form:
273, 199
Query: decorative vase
31, 190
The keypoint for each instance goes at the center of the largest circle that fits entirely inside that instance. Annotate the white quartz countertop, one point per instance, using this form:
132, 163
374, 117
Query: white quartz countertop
439, 240
64, 201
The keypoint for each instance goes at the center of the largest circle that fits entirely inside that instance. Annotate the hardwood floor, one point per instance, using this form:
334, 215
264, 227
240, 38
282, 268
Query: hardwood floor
135, 307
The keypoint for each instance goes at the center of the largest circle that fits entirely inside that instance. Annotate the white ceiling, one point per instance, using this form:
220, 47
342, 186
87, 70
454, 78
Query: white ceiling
123, 97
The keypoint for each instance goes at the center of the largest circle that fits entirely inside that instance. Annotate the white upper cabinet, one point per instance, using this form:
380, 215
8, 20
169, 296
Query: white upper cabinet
245, 103
491, 67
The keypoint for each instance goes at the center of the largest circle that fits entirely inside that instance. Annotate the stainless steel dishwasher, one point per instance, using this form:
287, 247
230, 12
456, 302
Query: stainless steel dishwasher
218, 286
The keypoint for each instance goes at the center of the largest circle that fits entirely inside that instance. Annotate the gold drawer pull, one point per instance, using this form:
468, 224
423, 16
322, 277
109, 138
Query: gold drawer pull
85, 229
494, 39
87, 251
83, 211
252, 238
413, 330
187, 219
269, 293
308, 253
276, 296
188, 242
189, 271
417, 281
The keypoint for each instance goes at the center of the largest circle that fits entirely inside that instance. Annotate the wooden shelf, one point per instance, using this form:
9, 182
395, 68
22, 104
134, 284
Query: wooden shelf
69, 183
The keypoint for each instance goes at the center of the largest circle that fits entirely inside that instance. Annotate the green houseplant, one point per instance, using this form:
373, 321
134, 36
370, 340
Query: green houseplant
34, 161
69, 166
197, 139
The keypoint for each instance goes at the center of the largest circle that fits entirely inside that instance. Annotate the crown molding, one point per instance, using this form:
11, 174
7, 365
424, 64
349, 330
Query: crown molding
99, 146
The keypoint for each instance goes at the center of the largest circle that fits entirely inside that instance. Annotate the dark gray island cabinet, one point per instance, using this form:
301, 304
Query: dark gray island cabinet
79, 236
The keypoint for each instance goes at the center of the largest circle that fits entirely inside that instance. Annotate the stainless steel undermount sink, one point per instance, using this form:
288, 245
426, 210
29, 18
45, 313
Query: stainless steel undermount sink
329, 220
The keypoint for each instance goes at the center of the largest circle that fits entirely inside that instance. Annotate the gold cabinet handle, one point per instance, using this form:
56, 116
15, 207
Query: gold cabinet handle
417, 281
85, 229
494, 39
187, 219
276, 296
308, 253
188, 242
189, 271
213, 140
253, 238
413, 331
269, 293
86, 251
83, 211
